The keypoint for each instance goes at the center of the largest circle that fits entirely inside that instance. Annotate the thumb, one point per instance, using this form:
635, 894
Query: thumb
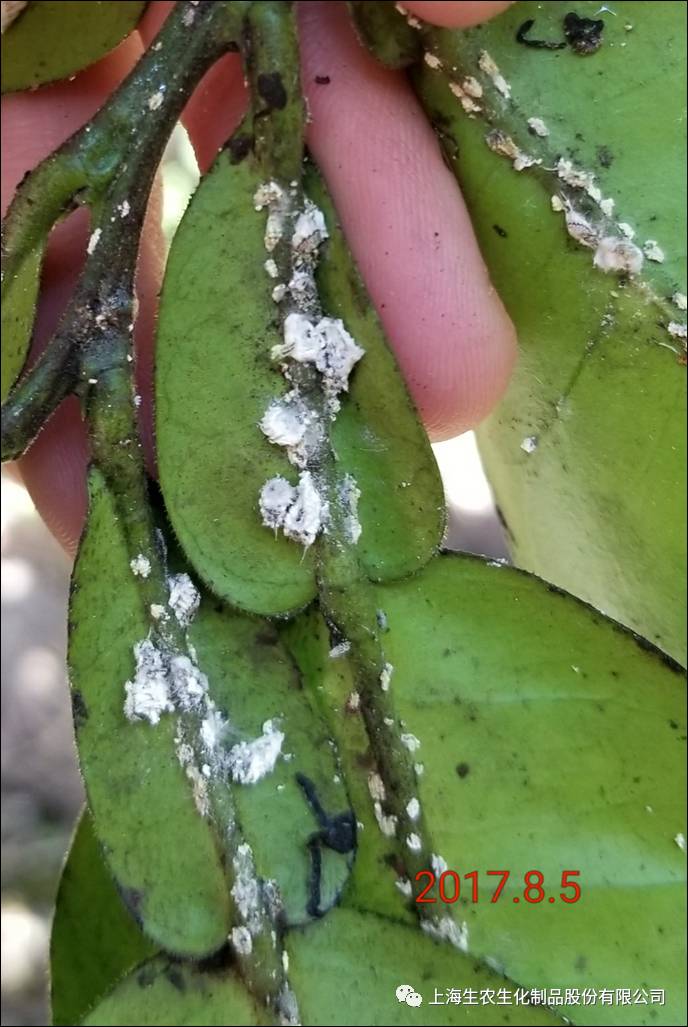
455, 15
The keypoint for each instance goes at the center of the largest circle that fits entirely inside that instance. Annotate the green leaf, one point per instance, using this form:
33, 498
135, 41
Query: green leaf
332, 982
253, 680
595, 501
161, 852
94, 940
19, 295
166, 992
550, 739
217, 312
377, 435
214, 381
50, 41
332, 680
348, 968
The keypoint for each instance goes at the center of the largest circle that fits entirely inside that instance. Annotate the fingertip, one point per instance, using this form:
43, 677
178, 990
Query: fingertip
408, 228
472, 368
456, 15
54, 472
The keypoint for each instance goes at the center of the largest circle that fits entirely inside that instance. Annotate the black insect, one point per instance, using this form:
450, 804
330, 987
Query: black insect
537, 44
336, 832
584, 35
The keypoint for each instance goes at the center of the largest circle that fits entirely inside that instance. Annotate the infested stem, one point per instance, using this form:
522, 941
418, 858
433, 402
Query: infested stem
347, 603
345, 594
108, 166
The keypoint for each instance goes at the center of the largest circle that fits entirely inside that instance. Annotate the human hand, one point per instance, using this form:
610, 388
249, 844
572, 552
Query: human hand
399, 204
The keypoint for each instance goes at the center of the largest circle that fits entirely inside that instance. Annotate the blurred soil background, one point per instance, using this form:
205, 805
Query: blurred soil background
41, 790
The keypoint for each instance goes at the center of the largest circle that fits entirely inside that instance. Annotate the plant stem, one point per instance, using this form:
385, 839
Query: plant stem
344, 590
109, 166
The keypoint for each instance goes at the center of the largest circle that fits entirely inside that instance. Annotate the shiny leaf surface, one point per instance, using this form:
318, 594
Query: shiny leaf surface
50, 41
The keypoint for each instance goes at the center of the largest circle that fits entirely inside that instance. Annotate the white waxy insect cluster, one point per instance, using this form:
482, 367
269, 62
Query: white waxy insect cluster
167, 681
341, 649
413, 808
472, 87
276, 199
155, 100
469, 104
249, 762
489, 67
505, 146
615, 253
376, 787
245, 762
189, 683
410, 741
386, 822
349, 495
411, 20
258, 906
163, 683
653, 251
246, 889
386, 677
140, 566
242, 941
578, 178
538, 127
93, 241
184, 598
255, 902
446, 929
326, 345
301, 511
291, 423
148, 694
439, 864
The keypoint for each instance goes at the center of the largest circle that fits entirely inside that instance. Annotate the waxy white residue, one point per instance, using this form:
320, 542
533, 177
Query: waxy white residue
489, 67
298, 510
249, 762
504, 145
326, 345
148, 694
538, 127
386, 677
446, 929
618, 254
184, 598
140, 566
